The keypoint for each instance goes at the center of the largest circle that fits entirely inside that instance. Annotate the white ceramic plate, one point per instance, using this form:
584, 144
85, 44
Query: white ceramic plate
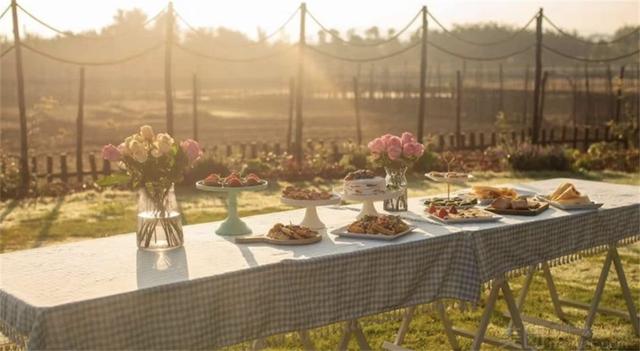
589, 206
335, 199
342, 231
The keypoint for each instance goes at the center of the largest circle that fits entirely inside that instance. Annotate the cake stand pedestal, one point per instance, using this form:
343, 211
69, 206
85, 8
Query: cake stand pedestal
311, 219
368, 209
232, 225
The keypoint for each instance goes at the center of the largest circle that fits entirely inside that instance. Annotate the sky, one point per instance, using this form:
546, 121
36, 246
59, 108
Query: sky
587, 16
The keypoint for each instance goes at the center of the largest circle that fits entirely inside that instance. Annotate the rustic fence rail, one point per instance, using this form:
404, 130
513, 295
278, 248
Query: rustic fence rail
57, 167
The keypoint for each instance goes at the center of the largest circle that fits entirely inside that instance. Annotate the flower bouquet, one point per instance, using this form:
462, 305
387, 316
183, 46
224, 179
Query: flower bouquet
396, 154
153, 164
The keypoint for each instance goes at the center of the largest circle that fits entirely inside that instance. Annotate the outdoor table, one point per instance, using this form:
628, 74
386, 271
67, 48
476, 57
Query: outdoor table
105, 293
522, 244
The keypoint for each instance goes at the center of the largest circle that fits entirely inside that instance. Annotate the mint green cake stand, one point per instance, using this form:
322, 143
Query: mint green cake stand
232, 225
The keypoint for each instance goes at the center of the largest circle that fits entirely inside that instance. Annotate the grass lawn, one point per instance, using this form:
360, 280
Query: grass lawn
32, 223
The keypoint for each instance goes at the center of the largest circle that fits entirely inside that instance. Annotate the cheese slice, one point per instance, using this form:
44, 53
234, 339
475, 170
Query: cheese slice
559, 190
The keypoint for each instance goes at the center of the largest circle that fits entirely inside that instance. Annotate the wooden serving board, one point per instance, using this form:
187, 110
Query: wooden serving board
342, 231
492, 218
251, 239
543, 207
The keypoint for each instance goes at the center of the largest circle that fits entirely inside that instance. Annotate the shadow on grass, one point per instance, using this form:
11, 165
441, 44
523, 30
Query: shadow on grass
12, 205
43, 234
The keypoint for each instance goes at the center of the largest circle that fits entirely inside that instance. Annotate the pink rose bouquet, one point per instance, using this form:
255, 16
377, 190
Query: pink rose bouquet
393, 151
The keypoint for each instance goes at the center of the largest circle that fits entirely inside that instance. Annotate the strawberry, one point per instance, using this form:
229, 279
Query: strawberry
443, 213
233, 182
433, 208
212, 179
453, 210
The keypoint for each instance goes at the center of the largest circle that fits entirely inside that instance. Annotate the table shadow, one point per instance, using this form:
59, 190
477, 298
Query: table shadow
155, 268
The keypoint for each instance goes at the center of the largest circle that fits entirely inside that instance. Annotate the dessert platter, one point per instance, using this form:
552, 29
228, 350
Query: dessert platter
309, 199
453, 215
457, 201
567, 197
281, 234
364, 186
381, 227
521, 206
487, 194
232, 185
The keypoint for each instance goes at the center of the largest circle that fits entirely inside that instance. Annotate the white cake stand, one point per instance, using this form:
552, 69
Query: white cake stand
311, 219
368, 209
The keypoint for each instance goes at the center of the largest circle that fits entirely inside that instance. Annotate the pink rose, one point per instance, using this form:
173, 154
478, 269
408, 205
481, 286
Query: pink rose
385, 138
413, 149
111, 153
407, 138
394, 152
376, 146
192, 149
394, 141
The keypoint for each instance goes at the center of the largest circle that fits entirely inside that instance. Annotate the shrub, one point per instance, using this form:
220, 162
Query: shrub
529, 157
601, 156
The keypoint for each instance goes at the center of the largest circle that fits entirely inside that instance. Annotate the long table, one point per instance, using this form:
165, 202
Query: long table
104, 293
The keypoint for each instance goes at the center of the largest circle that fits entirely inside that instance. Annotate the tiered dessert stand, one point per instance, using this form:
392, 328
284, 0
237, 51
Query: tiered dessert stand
311, 219
232, 225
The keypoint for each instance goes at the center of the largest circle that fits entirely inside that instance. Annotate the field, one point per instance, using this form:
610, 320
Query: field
39, 222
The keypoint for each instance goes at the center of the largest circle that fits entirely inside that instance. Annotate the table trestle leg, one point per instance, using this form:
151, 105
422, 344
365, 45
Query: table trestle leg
522, 296
352, 328
447, 325
404, 325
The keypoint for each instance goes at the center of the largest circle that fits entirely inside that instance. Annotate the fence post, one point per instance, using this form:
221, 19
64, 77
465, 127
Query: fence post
24, 146
537, 79
106, 167
619, 98
292, 101
356, 103
586, 138
300, 87
49, 168
542, 95
195, 106
93, 167
575, 137
64, 173
458, 106
501, 92
168, 86
80, 128
525, 96
610, 95
587, 92
423, 75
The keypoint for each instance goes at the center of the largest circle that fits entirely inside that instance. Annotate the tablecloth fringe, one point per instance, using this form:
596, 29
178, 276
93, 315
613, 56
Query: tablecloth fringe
566, 259
14, 336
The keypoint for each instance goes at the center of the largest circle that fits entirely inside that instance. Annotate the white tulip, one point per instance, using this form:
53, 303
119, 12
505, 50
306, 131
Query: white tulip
146, 132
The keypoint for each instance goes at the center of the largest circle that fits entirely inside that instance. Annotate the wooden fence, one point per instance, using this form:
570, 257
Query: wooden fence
49, 167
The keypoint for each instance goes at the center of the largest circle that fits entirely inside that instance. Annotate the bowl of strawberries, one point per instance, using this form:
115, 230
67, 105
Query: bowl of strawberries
233, 180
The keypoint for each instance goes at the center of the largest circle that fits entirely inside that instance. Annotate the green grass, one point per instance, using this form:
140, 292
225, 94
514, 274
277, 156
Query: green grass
32, 223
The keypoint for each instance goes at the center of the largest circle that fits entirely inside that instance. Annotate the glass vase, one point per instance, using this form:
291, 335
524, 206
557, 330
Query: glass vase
396, 180
159, 220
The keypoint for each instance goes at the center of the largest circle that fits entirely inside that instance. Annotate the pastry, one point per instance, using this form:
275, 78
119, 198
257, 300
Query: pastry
364, 183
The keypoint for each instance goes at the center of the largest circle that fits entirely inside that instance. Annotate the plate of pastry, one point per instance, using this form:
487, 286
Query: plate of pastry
521, 206
304, 197
281, 234
567, 197
486, 194
455, 215
457, 201
382, 227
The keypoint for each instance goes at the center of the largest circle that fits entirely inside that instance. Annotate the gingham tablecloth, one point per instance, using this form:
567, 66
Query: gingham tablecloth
105, 294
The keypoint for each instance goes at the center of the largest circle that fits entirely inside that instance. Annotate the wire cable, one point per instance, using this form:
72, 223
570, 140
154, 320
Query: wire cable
386, 41
233, 60
492, 43
94, 63
476, 58
586, 41
8, 50
72, 35
261, 41
587, 59
367, 59
5, 11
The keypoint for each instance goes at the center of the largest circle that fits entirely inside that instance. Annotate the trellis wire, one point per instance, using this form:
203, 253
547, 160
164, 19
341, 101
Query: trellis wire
5, 11
8, 50
585, 41
476, 58
93, 63
470, 42
365, 59
587, 59
379, 43
239, 60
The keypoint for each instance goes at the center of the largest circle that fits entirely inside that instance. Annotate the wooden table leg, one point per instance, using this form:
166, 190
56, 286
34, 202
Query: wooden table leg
631, 307
404, 326
557, 307
486, 315
523, 295
447, 325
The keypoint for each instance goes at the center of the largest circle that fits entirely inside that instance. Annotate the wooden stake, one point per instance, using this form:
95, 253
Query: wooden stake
525, 96
423, 75
537, 79
80, 127
195, 107
24, 145
168, 85
458, 108
292, 101
587, 113
542, 95
300, 88
356, 103
619, 97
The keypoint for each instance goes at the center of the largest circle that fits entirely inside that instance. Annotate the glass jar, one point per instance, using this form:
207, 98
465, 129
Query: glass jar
396, 180
159, 220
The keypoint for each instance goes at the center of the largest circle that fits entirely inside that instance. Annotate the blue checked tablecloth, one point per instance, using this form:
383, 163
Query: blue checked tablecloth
104, 293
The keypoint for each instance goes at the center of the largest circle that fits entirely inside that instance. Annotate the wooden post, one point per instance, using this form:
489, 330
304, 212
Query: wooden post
501, 92
537, 79
458, 106
64, 172
586, 138
423, 75
80, 128
93, 166
49, 168
372, 87
300, 85
292, 101
482, 140
542, 95
587, 114
525, 96
168, 87
24, 146
574, 107
610, 96
356, 103
195, 106
619, 97
106, 167
575, 137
